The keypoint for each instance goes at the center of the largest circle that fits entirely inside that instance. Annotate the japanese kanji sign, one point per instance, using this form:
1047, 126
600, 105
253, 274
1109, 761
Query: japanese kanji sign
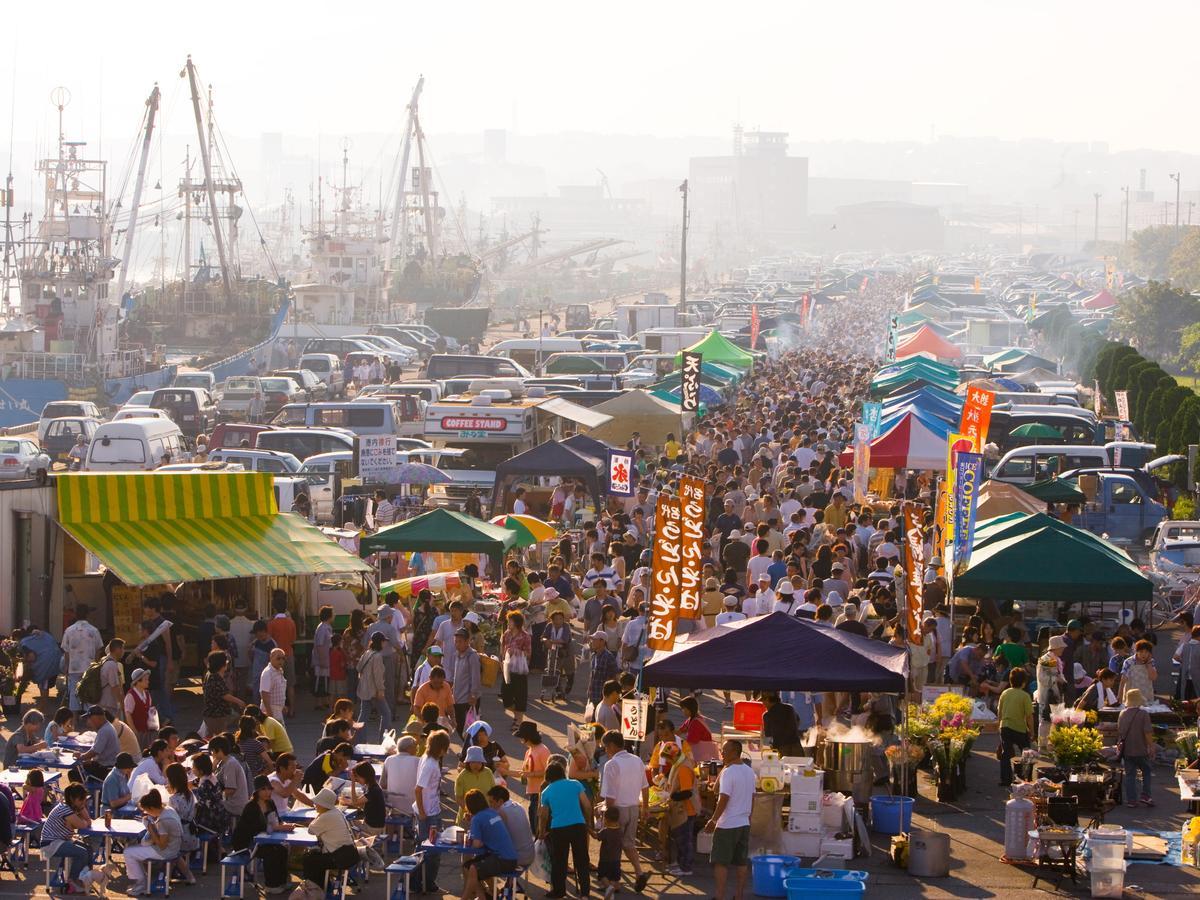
620, 473
665, 574
691, 505
689, 390
977, 415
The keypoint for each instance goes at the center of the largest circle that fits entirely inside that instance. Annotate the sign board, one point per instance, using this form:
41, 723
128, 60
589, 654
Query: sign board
862, 460
1122, 405
634, 713
914, 543
689, 391
931, 692
873, 418
620, 473
665, 574
977, 415
691, 508
754, 326
967, 475
376, 457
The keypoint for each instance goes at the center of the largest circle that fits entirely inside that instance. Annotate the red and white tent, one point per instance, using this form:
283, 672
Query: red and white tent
909, 444
926, 340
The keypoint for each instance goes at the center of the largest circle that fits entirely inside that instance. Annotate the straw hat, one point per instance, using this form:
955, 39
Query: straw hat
1133, 698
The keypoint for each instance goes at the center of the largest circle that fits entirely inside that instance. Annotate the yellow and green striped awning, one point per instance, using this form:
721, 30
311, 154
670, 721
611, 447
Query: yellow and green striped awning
153, 528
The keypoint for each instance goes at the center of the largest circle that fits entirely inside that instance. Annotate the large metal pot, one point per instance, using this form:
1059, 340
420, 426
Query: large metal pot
843, 762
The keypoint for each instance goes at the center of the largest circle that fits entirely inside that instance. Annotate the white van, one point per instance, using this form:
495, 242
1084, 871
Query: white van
532, 352
1025, 465
134, 445
402, 416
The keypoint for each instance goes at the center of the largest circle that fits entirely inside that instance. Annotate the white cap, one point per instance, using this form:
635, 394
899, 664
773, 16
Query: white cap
785, 587
730, 600
834, 599
735, 534
764, 577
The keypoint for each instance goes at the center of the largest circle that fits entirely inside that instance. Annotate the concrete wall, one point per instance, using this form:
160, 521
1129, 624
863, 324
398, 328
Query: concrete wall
30, 576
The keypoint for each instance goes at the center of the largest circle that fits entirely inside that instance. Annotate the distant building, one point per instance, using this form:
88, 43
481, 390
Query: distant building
579, 213
889, 226
758, 192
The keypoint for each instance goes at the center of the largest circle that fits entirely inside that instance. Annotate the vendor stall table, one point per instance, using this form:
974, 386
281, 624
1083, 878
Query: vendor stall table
1063, 862
1168, 717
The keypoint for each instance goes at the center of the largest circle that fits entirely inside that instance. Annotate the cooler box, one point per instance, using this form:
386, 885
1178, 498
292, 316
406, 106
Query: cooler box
801, 843
748, 716
805, 822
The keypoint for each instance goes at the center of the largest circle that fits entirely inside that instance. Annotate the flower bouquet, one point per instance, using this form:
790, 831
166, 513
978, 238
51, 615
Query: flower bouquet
1187, 742
904, 759
1073, 746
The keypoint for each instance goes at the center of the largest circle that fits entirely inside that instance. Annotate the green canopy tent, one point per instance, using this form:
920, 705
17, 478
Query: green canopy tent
1020, 523
719, 349
1055, 490
441, 531
1054, 564
911, 317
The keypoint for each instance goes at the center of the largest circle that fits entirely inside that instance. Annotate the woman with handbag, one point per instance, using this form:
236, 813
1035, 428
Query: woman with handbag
515, 646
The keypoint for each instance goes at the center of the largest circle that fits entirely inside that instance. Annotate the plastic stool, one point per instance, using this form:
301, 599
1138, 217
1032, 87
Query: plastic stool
504, 887
233, 874
158, 882
199, 861
56, 880
335, 884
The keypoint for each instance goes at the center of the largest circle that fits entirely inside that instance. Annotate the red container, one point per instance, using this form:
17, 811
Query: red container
748, 715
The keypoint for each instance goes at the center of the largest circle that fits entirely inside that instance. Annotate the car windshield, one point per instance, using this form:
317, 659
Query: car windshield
119, 450
197, 380
241, 384
10, 446
1182, 533
1183, 556
277, 384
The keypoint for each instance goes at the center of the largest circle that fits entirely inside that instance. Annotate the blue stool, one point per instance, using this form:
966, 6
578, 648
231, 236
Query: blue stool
233, 874
199, 861
335, 884
504, 887
56, 874
399, 872
22, 835
397, 826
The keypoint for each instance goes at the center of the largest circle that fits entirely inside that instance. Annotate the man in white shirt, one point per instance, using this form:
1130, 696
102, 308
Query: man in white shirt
81, 642
272, 686
785, 594
730, 824
731, 614
241, 629
624, 787
519, 505
765, 599
385, 512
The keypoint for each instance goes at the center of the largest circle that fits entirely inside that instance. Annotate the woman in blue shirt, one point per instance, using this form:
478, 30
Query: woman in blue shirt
562, 820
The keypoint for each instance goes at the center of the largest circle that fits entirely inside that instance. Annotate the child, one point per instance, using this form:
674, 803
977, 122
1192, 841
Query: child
61, 727
372, 802
35, 791
609, 869
337, 666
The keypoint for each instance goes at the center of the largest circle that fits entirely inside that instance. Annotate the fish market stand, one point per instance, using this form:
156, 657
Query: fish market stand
778, 652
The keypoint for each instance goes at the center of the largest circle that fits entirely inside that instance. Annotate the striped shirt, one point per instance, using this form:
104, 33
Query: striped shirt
55, 828
273, 683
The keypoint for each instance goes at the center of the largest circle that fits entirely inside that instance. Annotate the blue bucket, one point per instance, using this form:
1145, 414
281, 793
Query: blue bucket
891, 815
767, 872
826, 888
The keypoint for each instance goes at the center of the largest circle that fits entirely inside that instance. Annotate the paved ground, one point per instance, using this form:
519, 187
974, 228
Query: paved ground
975, 825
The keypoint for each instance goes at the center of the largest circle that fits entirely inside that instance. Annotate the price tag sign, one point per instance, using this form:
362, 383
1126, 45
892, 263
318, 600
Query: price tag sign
633, 718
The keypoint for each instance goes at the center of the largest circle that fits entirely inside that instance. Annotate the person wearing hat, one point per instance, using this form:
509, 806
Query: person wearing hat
115, 791
104, 750
259, 814
736, 553
433, 657
604, 667
731, 613
335, 848
835, 583
473, 776
138, 706
1135, 743
81, 642
785, 597
1050, 676
463, 669
711, 601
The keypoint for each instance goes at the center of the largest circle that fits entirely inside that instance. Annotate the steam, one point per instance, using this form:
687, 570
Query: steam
846, 734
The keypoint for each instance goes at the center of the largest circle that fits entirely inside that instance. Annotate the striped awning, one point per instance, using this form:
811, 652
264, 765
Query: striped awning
154, 528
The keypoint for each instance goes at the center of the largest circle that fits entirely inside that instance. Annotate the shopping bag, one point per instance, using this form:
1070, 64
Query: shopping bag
541, 860
471, 718
489, 670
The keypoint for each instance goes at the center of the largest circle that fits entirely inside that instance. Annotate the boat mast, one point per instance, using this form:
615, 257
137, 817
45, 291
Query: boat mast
430, 237
151, 112
208, 181
400, 213
187, 217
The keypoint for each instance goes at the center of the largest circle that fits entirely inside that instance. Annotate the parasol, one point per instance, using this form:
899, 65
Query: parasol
529, 529
419, 473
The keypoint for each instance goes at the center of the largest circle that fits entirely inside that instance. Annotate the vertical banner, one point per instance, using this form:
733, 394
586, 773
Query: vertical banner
664, 575
914, 559
805, 309
691, 507
754, 326
1118, 436
977, 416
968, 469
1099, 402
862, 460
689, 389
955, 444
873, 418
940, 529
620, 473
1122, 405
1110, 273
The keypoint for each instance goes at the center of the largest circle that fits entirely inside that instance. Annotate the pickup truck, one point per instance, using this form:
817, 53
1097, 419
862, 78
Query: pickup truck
205, 380
1121, 510
243, 399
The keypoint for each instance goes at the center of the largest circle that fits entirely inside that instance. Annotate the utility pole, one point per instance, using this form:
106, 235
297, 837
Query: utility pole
1175, 178
1125, 233
683, 189
1096, 222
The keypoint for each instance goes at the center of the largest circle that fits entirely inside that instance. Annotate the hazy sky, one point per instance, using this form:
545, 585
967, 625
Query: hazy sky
820, 70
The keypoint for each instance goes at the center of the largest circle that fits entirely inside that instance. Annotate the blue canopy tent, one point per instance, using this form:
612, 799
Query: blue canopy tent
778, 652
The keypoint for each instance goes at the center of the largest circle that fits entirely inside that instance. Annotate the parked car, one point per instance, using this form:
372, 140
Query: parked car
205, 380
456, 365
328, 368
388, 347
135, 445
21, 458
192, 409
257, 460
231, 434
242, 400
139, 398
314, 388
278, 392
62, 434
58, 409
138, 412
305, 442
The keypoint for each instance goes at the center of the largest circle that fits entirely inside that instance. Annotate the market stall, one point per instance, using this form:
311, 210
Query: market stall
637, 411
549, 459
443, 531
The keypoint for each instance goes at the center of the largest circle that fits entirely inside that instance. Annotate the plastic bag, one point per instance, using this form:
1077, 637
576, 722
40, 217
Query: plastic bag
541, 860
389, 741
152, 720
139, 787
981, 713
471, 718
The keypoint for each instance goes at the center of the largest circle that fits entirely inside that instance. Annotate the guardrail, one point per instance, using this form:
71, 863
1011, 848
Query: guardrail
18, 429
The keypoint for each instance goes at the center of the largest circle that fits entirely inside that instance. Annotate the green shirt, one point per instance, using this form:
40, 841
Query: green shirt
1015, 709
1014, 654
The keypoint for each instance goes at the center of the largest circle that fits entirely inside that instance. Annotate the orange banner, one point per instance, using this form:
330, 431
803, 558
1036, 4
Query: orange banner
914, 565
977, 416
691, 505
665, 574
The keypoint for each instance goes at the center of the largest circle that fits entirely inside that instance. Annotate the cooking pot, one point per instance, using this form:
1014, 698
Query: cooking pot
843, 762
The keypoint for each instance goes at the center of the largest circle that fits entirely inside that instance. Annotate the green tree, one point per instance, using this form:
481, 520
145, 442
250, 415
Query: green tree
1106, 360
1152, 317
1150, 250
1184, 262
1147, 381
1153, 410
1189, 349
1185, 425
1133, 381
1120, 374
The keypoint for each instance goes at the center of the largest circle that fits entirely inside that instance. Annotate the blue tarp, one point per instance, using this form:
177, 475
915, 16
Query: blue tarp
937, 425
778, 653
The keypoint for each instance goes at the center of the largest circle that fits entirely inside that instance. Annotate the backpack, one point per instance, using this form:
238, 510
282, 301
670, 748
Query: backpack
210, 813
88, 690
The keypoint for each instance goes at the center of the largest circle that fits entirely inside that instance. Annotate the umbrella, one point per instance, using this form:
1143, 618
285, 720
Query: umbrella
529, 529
1055, 490
408, 587
419, 473
1036, 430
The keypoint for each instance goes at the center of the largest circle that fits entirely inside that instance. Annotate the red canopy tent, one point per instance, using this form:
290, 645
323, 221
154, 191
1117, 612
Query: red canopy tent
909, 444
926, 340
1103, 300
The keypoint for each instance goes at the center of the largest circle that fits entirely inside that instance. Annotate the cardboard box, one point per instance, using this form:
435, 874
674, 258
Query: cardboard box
806, 805
796, 843
806, 823
841, 849
833, 811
